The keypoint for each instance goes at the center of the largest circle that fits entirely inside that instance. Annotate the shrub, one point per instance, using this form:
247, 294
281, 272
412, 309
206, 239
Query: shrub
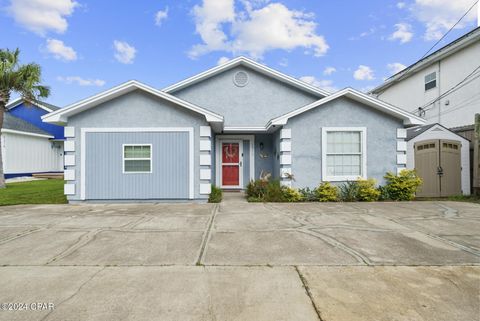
402, 187
292, 194
349, 191
326, 192
215, 195
257, 189
308, 195
383, 193
274, 192
367, 192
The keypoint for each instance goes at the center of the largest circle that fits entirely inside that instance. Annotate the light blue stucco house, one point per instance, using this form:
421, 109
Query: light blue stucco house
226, 126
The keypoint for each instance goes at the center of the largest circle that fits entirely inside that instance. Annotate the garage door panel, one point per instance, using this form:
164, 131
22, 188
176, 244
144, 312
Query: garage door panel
104, 166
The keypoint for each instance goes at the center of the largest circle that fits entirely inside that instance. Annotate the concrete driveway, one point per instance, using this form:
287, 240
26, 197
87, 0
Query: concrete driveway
240, 261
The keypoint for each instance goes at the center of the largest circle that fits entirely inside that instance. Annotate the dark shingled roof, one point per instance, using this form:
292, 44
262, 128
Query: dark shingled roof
415, 131
15, 123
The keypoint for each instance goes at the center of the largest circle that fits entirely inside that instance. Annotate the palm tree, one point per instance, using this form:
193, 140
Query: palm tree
21, 79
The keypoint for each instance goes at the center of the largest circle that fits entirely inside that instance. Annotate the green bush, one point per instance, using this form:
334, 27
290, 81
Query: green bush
349, 191
274, 192
292, 194
326, 192
383, 193
262, 190
367, 191
257, 189
402, 187
215, 195
308, 195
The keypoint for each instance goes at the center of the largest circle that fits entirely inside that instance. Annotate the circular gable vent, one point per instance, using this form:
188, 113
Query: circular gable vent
240, 78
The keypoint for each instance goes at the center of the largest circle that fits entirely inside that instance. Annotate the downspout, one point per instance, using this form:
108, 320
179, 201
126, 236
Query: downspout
439, 93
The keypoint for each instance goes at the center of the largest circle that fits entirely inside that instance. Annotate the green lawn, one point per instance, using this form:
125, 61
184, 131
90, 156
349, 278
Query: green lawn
34, 192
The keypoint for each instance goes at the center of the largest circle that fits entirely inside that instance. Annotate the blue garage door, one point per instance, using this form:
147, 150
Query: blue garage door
166, 176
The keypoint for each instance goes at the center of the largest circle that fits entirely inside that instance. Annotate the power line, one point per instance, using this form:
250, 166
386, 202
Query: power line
449, 91
408, 69
456, 23
464, 104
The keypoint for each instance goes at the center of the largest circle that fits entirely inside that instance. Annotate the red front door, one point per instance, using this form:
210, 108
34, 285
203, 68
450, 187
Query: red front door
230, 164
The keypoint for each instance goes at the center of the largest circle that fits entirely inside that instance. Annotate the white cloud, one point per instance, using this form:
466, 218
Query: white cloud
403, 33
401, 5
60, 50
321, 83
255, 30
364, 73
209, 18
124, 52
329, 70
222, 60
440, 15
41, 16
160, 16
81, 81
396, 67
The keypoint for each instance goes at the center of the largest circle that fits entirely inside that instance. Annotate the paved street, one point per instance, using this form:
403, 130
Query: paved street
240, 261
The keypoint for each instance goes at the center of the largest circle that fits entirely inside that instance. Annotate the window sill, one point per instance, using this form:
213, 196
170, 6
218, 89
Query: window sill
342, 178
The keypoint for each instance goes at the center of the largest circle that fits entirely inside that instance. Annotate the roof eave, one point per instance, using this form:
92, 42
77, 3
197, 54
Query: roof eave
249, 63
421, 64
61, 116
408, 118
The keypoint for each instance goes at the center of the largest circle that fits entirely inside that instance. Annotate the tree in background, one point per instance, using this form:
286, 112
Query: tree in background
21, 79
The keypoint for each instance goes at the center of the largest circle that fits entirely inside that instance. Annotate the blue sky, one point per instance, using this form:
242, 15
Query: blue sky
85, 47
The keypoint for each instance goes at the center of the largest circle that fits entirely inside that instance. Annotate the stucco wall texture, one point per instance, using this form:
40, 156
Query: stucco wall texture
343, 112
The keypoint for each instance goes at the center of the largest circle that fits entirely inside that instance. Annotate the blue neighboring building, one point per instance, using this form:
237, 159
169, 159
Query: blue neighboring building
32, 113
29, 145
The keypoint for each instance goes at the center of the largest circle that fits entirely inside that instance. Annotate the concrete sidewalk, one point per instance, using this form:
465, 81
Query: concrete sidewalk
242, 261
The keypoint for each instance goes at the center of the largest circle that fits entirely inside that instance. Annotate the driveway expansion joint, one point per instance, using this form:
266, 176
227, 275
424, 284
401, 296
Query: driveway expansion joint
309, 293
207, 234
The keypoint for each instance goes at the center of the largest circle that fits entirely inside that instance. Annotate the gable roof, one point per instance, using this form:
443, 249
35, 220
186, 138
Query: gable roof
417, 131
15, 124
243, 61
43, 105
61, 116
408, 118
423, 63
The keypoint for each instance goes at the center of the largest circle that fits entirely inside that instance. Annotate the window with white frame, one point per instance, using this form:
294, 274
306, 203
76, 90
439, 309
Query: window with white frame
430, 81
137, 158
343, 153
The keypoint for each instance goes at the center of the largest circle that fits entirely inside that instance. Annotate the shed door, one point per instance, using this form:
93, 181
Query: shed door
108, 170
451, 167
438, 163
426, 165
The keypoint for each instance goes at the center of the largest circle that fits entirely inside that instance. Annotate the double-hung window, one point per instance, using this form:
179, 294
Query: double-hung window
137, 158
430, 81
343, 153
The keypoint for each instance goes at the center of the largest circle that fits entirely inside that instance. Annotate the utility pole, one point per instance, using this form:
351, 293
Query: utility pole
476, 156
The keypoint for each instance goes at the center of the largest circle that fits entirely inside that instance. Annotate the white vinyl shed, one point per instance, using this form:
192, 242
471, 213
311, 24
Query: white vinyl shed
440, 139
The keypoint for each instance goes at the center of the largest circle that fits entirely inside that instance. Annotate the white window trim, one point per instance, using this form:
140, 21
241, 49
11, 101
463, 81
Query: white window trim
427, 82
363, 140
189, 130
149, 158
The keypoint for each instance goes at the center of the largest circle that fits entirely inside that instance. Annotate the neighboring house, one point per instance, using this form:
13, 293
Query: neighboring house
443, 88
29, 145
442, 158
226, 126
